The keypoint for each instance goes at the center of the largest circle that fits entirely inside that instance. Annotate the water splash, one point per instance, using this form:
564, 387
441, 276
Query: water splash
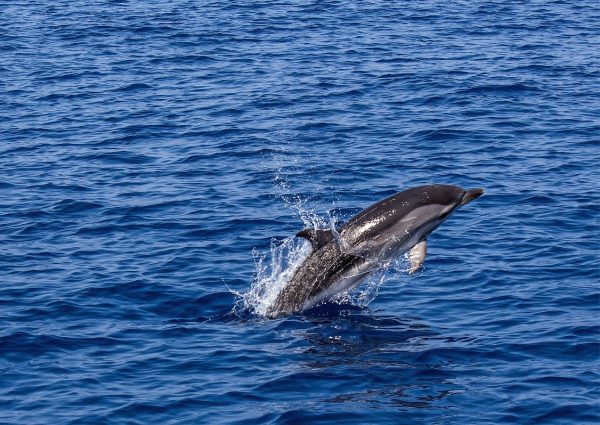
273, 271
297, 182
369, 289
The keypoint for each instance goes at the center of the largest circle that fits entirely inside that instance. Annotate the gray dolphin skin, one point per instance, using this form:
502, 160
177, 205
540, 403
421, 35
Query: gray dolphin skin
342, 258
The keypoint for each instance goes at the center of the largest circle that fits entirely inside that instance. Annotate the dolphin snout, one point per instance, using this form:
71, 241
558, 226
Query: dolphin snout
471, 194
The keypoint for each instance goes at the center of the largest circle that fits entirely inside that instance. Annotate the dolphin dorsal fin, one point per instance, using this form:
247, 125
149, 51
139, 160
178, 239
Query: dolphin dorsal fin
416, 256
317, 237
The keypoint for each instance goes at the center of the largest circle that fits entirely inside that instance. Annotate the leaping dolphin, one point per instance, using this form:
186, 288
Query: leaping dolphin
342, 258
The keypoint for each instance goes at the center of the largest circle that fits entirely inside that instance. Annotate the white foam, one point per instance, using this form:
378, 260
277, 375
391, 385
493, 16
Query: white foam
273, 271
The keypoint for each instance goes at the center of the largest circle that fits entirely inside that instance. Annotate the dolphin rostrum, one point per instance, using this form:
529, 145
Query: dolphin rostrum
341, 259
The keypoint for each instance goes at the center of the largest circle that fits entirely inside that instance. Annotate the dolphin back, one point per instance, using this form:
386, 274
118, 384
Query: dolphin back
375, 219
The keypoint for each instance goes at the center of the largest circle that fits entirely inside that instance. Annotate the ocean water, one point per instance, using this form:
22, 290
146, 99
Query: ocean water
157, 157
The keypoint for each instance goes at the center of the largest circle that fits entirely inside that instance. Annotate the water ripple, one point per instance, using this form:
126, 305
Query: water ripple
150, 148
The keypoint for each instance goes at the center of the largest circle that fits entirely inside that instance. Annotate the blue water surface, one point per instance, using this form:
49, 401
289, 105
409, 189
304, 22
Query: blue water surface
147, 148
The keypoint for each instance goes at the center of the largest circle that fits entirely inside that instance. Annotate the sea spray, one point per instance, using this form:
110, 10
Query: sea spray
368, 290
273, 271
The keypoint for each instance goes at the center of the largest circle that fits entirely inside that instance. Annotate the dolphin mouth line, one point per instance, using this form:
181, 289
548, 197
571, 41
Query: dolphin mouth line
470, 195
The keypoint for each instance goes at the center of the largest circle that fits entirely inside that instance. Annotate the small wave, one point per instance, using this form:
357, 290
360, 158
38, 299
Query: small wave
121, 157
495, 89
21, 345
133, 87
71, 206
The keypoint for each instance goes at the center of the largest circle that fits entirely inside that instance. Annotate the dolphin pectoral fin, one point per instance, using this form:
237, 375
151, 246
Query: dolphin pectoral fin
317, 238
416, 256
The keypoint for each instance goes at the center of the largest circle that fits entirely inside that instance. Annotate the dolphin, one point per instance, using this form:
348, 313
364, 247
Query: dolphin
342, 258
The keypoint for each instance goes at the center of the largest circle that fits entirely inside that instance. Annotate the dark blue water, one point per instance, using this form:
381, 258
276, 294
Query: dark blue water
152, 153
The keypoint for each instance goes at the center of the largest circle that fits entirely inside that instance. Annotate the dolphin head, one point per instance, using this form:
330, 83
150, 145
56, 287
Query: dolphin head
429, 206
470, 195
447, 198
413, 214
